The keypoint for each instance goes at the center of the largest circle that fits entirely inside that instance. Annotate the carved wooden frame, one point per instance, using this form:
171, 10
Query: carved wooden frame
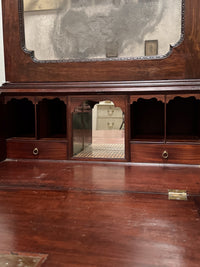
31, 53
119, 101
182, 63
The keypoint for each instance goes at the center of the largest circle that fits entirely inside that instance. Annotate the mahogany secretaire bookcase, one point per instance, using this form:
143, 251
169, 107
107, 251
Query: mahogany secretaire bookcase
138, 59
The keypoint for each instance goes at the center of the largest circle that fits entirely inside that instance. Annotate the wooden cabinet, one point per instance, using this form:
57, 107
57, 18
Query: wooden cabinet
166, 131
108, 116
161, 128
158, 97
35, 128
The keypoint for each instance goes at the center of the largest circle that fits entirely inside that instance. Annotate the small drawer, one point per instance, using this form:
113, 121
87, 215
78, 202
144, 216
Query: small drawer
109, 111
166, 153
147, 153
109, 124
37, 149
184, 153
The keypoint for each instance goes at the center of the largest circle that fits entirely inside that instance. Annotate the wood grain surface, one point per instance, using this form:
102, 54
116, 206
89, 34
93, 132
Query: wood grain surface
101, 176
47, 149
89, 229
177, 153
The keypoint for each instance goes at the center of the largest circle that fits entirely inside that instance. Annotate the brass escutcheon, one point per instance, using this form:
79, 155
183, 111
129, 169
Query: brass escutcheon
35, 151
165, 154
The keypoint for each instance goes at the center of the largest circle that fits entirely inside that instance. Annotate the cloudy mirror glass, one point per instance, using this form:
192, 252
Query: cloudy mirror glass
82, 30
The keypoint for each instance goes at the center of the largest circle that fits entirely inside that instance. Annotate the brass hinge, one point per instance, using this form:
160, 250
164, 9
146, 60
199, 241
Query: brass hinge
177, 194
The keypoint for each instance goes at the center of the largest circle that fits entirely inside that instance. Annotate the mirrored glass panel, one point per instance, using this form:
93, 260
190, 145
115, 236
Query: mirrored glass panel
81, 30
98, 131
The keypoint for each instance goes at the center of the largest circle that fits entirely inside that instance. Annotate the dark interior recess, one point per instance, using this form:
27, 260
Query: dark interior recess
51, 118
183, 116
3, 120
147, 119
82, 127
2, 131
20, 118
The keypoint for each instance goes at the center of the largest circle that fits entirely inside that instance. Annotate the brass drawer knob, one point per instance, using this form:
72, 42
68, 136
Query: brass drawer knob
35, 151
110, 111
165, 155
110, 124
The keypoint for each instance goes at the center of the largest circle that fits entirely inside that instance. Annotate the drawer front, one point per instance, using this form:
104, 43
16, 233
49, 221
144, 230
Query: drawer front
109, 124
36, 149
147, 153
109, 111
185, 154
166, 153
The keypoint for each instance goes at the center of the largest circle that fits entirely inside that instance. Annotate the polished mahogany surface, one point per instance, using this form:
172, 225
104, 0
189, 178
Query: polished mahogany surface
100, 229
94, 214
93, 176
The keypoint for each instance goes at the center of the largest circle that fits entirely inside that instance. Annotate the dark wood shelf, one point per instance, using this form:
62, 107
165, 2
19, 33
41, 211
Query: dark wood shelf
22, 138
148, 138
182, 138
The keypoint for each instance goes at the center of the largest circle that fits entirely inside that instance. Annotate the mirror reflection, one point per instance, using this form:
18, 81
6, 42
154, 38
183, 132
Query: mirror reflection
98, 131
101, 29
